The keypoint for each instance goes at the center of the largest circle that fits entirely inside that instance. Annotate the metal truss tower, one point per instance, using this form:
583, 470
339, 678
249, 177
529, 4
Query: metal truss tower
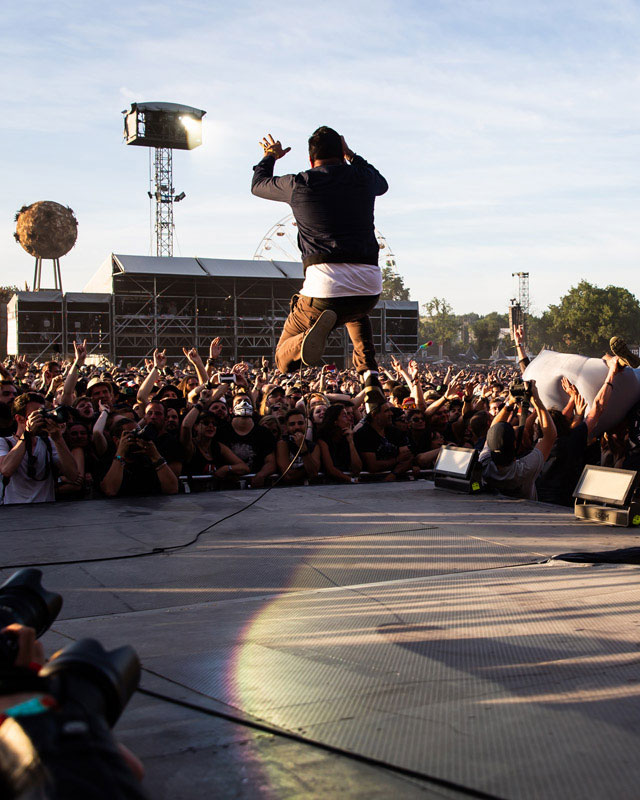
162, 195
165, 127
523, 290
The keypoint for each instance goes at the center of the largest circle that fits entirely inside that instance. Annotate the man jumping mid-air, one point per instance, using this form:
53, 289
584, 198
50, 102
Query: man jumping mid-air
333, 206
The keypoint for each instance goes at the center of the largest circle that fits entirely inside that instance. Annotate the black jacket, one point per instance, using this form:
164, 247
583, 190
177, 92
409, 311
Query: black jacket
333, 207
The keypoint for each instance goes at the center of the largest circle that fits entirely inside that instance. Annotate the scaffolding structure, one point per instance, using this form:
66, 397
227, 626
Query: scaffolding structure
519, 306
135, 304
162, 194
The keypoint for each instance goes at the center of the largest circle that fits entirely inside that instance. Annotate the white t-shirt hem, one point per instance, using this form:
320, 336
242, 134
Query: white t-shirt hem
342, 280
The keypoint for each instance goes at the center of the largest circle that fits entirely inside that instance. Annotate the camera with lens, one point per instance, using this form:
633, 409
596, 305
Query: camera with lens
521, 390
25, 601
147, 433
59, 743
60, 414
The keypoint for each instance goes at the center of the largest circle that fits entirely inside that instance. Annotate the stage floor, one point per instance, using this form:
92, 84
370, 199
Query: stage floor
416, 628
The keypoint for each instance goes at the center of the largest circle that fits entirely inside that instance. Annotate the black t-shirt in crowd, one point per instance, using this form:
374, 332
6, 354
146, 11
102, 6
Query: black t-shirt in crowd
201, 464
563, 468
293, 449
139, 478
367, 440
252, 448
170, 448
340, 453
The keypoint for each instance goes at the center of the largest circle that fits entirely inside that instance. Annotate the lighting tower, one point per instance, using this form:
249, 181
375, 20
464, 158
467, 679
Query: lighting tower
523, 290
165, 127
519, 308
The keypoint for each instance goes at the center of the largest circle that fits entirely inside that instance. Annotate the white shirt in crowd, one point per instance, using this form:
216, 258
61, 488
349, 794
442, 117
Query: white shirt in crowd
23, 489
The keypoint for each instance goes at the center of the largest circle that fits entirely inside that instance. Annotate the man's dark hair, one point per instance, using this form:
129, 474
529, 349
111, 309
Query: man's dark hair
293, 412
400, 393
51, 365
325, 143
118, 427
480, 423
22, 401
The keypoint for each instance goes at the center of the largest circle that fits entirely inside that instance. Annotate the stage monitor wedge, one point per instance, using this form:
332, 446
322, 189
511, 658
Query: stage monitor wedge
608, 496
457, 469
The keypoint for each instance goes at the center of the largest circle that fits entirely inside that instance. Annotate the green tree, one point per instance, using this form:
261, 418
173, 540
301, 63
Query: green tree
587, 316
7, 292
440, 323
486, 331
393, 287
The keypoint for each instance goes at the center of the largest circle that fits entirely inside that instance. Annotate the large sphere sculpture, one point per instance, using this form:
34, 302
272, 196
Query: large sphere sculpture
46, 229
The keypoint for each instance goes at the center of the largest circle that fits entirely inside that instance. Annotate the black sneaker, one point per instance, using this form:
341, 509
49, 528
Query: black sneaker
374, 396
315, 340
619, 348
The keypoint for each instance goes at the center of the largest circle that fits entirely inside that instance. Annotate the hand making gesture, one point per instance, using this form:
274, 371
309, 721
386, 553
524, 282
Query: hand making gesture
273, 148
81, 352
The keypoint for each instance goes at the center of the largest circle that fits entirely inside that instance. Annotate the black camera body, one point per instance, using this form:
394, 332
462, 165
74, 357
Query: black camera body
60, 414
61, 745
25, 601
521, 390
147, 433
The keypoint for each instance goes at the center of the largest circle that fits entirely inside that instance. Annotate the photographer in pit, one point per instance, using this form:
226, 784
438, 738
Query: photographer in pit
501, 470
56, 716
137, 467
32, 458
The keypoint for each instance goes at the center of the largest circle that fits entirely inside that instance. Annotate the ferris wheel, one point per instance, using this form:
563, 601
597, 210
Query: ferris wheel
280, 243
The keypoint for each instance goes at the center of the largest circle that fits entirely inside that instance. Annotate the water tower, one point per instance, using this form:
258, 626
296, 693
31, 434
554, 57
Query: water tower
165, 127
46, 230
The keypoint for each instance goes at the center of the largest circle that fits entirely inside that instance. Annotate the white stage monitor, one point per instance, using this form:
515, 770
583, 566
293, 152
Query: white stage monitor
455, 462
605, 485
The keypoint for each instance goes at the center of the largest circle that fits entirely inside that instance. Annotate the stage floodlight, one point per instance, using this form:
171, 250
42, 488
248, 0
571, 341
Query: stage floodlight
457, 468
179, 197
169, 125
608, 496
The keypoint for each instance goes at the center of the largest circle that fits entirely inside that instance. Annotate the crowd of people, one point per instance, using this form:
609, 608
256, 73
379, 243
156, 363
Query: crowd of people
72, 431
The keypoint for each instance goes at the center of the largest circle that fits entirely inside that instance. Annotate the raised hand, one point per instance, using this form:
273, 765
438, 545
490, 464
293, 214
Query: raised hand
581, 405
191, 354
159, 359
215, 348
347, 152
22, 365
568, 387
81, 352
273, 148
518, 335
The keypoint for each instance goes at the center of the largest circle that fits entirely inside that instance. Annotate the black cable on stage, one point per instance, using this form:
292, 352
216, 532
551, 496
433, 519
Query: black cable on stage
174, 547
296, 737
626, 555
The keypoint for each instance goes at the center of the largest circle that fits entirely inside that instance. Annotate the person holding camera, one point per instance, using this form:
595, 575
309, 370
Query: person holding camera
137, 467
501, 469
57, 715
32, 458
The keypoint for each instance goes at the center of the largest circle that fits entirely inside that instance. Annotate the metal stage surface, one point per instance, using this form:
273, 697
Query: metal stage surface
407, 625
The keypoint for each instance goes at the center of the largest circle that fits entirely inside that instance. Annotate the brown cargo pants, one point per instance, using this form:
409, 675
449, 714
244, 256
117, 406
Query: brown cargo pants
351, 311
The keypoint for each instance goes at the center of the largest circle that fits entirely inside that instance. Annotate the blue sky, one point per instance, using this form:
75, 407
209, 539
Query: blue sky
508, 132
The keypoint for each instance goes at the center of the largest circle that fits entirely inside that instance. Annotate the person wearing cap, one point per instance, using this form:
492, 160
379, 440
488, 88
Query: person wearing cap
501, 470
100, 391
